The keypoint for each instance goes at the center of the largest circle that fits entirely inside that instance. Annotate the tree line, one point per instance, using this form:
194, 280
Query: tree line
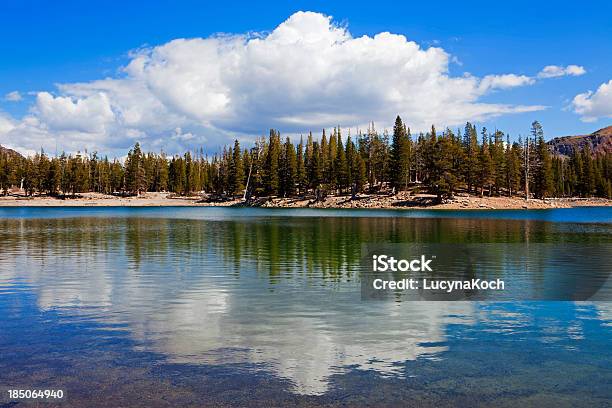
443, 163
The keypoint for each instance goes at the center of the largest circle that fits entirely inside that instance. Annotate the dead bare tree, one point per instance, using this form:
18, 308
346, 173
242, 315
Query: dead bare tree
258, 149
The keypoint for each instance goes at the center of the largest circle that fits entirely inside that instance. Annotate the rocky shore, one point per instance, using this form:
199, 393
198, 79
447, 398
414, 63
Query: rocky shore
398, 201
424, 201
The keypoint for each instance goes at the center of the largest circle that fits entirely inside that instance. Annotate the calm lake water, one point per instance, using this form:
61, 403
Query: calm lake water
257, 307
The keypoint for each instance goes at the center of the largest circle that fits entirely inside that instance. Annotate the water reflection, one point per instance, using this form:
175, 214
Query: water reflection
277, 292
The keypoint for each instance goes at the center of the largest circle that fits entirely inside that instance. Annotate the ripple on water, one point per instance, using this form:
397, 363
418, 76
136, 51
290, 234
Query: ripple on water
213, 294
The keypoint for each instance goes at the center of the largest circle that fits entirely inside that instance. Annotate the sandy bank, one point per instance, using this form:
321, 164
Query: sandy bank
103, 200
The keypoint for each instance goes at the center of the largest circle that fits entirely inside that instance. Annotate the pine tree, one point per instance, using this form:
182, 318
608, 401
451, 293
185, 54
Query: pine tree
315, 170
426, 151
470, 145
178, 175
349, 153
325, 166
236, 176
513, 167
330, 174
4, 173
360, 177
302, 180
406, 155
356, 168
499, 164
42, 171
29, 177
188, 180
485, 165
340, 164
66, 176
443, 178
162, 173
271, 168
81, 174
288, 169
588, 173
54, 177
247, 166
254, 184
400, 156
376, 152
134, 171
308, 160
543, 176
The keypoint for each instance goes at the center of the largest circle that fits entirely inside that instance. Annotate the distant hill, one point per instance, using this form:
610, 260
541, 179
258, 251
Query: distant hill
600, 142
9, 152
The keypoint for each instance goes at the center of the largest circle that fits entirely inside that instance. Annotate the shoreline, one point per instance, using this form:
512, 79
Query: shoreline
378, 201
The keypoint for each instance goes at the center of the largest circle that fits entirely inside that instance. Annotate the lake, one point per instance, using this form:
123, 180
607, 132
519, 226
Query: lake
262, 307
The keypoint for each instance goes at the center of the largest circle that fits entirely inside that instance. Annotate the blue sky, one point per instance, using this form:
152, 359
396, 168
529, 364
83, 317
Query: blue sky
67, 42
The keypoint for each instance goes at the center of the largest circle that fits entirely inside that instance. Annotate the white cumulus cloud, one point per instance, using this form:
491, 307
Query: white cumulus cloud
594, 105
14, 96
506, 81
306, 74
554, 71
90, 114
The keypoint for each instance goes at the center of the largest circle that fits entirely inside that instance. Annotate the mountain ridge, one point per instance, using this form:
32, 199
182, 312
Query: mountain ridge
9, 152
599, 142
